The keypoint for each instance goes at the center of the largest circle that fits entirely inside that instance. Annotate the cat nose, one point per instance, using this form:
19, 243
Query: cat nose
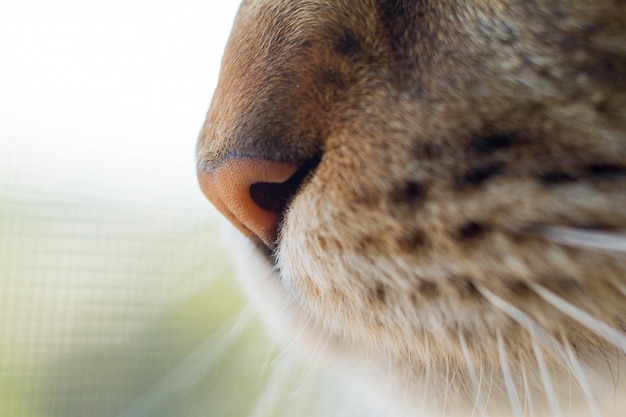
251, 193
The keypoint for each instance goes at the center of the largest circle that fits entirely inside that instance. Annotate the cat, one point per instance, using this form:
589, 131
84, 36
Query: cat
436, 190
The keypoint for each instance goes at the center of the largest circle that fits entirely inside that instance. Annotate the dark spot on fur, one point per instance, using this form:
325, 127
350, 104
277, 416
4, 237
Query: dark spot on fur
369, 197
322, 243
489, 144
336, 78
591, 172
427, 151
428, 289
370, 245
471, 230
381, 292
348, 43
561, 284
478, 175
556, 177
411, 192
599, 225
606, 170
520, 288
411, 241
466, 287
409, 28
431, 150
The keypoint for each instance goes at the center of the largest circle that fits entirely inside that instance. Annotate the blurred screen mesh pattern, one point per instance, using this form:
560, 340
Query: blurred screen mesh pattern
116, 298
116, 303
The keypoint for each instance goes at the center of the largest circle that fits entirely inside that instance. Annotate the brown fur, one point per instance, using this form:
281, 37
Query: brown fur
451, 135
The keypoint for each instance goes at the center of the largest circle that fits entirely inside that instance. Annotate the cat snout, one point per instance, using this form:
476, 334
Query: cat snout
251, 193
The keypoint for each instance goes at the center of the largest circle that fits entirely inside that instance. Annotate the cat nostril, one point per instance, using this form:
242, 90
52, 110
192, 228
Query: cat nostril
253, 193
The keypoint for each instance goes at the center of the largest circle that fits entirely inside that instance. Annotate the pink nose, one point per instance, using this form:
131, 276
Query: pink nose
251, 193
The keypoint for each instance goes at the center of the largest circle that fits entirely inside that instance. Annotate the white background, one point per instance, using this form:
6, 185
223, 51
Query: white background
99, 94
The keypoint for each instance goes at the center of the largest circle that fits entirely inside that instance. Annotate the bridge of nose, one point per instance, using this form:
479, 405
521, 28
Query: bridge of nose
277, 85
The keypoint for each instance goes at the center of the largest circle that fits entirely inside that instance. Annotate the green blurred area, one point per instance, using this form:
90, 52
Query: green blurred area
121, 305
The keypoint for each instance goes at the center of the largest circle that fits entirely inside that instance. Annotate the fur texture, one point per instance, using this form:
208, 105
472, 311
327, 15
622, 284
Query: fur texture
462, 226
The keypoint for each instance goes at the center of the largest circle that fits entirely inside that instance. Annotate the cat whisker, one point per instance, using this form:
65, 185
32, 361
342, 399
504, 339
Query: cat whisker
425, 377
581, 378
479, 402
277, 315
294, 340
528, 403
538, 333
450, 384
508, 377
597, 326
316, 356
475, 382
489, 391
265, 402
547, 381
446, 388
564, 353
190, 370
408, 378
609, 243
243, 320
266, 363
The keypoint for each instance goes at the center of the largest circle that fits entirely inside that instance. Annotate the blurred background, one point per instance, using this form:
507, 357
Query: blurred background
116, 297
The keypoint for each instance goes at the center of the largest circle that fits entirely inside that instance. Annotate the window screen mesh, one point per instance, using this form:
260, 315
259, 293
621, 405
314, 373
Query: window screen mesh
118, 302
116, 298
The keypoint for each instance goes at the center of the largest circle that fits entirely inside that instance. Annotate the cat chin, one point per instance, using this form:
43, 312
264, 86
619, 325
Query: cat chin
360, 386
257, 277
303, 349
261, 283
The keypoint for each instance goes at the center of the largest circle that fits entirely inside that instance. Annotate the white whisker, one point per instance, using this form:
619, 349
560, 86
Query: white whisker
279, 313
581, 378
190, 371
243, 320
426, 383
470, 368
598, 327
475, 380
264, 369
293, 341
611, 243
527, 396
267, 399
489, 391
446, 389
508, 378
313, 362
408, 378
547, 381
549, 342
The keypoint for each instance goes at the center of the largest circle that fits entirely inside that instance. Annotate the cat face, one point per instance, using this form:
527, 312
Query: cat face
436, 185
